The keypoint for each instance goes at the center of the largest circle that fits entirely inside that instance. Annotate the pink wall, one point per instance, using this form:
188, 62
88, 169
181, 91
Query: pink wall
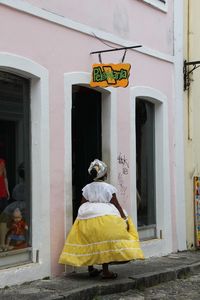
62, 50
131, 20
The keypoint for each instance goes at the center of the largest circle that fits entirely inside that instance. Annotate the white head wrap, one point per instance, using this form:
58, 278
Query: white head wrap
99, 166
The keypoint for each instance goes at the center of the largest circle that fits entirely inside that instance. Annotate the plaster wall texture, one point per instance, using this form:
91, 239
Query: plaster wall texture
61, 50
123, 18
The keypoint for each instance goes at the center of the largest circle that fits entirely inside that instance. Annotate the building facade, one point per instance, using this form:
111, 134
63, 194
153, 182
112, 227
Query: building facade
191, 104
54, 123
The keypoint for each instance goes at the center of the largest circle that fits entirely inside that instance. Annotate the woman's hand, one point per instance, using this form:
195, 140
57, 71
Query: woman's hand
127, 224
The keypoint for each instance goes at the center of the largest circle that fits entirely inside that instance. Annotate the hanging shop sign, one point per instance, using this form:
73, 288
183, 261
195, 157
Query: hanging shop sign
197, 209
105, 75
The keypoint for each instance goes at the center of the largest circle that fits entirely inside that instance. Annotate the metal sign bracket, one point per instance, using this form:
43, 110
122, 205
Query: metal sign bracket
186, 72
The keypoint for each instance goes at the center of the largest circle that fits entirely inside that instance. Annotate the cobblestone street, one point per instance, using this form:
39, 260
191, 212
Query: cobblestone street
180, 289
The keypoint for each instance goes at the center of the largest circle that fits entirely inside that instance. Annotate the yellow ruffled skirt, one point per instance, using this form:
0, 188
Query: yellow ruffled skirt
101, 240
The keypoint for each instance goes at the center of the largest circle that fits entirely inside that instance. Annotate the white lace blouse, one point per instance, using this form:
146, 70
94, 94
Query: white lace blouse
100, 192
98, 195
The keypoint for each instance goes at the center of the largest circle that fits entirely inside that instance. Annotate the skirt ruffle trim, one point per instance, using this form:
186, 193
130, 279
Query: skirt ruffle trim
119, 254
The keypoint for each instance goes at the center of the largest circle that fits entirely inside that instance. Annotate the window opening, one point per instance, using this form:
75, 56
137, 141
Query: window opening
145, 170
15, 202
158, 4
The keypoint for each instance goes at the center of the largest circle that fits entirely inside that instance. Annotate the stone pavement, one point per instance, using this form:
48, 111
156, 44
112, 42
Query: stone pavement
132, 275
180, 289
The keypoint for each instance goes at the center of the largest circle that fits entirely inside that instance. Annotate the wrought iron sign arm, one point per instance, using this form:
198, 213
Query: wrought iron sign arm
115, 49
187, 72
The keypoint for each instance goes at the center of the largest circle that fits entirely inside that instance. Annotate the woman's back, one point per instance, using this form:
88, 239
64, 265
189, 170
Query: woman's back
99, 191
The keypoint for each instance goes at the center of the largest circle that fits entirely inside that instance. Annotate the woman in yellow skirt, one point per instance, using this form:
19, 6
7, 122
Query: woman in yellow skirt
102, 232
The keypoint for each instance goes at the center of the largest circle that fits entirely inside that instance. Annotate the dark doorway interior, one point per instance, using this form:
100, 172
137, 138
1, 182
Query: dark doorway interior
86, 137
7, 149
145, 161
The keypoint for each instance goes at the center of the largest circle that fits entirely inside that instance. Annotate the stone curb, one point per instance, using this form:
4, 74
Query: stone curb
136, 282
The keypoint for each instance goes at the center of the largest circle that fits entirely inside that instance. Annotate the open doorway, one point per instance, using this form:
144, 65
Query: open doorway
86, 137
145, 162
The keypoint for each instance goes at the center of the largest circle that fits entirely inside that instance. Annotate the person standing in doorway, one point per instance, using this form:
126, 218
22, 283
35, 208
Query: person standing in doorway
102, 232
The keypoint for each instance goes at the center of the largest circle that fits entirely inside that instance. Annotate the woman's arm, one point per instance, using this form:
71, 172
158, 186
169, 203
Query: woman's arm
115, 202
83, 200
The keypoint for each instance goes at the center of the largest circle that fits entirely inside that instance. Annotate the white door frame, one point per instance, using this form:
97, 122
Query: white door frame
163, 243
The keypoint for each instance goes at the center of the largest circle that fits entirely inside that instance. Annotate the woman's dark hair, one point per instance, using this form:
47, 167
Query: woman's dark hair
93, 173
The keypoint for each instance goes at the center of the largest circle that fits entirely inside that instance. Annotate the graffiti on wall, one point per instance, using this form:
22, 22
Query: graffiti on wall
123, 172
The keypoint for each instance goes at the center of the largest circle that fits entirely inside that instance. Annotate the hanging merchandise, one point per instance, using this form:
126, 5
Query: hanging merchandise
197, 209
